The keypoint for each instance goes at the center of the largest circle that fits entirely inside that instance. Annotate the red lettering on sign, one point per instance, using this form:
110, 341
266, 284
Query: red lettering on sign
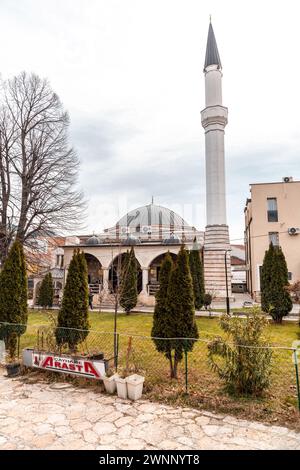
48, 362
72, 367
90, 369
57, 364
64, 365
79, 367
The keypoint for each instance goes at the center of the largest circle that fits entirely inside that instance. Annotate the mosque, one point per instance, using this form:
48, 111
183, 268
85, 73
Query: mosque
154, 230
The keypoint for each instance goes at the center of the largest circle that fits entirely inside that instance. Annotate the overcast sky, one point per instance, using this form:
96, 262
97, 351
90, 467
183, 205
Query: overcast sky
130, 73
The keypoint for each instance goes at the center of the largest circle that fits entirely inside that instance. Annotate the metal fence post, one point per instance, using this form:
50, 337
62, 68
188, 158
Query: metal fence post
116, 349
186, 364
297, 376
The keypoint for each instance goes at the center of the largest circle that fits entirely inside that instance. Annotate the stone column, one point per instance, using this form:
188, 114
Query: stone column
145, 273
105, 272
144, 297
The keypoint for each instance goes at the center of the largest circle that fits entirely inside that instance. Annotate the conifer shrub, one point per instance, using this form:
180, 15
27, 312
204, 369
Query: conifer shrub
129, 293
175, 318
275, 296
207, 300
13, 298
46, 292
197, 274
160, 316
243, 360
72, 323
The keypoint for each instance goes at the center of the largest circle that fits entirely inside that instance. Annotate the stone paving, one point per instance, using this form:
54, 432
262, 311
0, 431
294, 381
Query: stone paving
62, 416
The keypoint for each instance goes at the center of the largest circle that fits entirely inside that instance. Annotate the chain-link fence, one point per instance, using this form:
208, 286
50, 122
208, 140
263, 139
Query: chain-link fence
194, 376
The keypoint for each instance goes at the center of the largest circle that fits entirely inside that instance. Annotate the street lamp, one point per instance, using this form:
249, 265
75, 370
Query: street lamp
226, 277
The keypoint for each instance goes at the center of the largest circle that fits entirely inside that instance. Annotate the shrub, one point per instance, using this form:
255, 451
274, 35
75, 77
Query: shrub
275, 298
13, 298
207, 300
196, 269
244, 361
180, 318
72, 324
46, 292
129, 294
160, 316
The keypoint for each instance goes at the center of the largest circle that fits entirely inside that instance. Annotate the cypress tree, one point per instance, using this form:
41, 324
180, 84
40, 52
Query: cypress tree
197, 274
276, 299
46, 292
129, 293
180, 321
73, 320
160, 324
265, 279
13, 298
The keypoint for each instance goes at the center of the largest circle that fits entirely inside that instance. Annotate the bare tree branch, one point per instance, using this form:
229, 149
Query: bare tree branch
38, 168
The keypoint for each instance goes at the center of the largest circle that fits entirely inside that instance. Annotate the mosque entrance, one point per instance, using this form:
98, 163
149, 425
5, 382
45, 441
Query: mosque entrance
95, 275
154, 272
115, 273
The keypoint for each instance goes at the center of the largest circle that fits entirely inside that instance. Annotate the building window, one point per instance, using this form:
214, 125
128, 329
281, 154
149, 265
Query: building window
272, 209
59, 261
274, 238
290, 276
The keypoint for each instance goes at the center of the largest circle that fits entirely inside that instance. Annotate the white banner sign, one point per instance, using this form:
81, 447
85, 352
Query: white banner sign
69, 365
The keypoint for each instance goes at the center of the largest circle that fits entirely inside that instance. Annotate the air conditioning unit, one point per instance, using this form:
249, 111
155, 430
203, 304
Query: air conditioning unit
293, 231
125, 230
146, 229
287, 179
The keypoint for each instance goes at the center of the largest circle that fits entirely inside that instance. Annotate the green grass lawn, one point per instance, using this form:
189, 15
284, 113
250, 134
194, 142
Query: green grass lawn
141, 324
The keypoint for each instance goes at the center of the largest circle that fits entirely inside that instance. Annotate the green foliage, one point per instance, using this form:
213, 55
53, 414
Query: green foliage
275, 298
160, 316
13, 298
197, 274
244, 360
207, 300
178, 311
74, 310
129, 293
46, 292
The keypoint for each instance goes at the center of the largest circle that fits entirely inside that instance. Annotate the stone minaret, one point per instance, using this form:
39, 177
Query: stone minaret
214, 120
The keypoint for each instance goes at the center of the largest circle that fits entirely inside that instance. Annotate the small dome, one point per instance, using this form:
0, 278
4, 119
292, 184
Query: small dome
172, 240
93, 240
131, 240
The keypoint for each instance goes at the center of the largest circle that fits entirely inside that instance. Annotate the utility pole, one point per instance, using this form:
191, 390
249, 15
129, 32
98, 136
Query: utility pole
226, 278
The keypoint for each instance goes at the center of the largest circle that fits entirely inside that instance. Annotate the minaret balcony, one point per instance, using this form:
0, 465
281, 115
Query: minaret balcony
216, 116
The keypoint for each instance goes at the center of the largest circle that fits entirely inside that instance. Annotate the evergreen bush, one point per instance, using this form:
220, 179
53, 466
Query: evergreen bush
179, 318
72, 322
45, 298
207, 300
160, 316
13, 298
129, 293
275, 296
197, 274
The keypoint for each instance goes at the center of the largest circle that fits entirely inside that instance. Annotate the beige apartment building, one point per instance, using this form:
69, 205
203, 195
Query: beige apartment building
272, 214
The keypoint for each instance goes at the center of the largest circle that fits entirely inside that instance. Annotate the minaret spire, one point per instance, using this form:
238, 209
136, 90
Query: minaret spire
212, 56
214, 120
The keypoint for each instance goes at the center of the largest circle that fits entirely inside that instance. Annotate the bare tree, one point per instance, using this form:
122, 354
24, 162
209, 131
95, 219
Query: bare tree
38, 168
